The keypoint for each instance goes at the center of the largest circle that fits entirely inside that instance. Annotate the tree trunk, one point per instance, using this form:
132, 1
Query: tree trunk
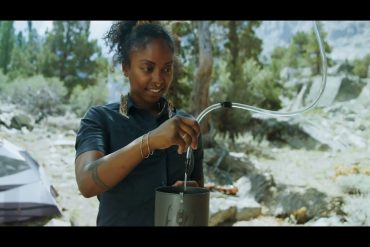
234, 50
174, 90
63, 61
199, 99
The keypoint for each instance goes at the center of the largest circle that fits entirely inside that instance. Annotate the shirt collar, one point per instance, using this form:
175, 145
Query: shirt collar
164, 105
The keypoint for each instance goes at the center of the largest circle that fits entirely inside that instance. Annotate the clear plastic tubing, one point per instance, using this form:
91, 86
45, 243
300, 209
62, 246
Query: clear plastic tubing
229, 104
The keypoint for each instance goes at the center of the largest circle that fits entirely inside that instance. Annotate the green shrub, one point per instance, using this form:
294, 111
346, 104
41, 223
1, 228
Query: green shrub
82, 99
36, 94
3, 80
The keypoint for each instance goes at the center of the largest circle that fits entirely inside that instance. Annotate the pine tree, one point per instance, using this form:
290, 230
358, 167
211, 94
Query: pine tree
313, 50
7, 39
25, 55
69, 55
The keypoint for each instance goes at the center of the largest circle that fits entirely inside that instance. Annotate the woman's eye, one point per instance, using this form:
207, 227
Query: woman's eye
168, 69
147, 69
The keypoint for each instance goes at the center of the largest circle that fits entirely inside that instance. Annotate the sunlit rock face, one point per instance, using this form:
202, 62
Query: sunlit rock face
349, 39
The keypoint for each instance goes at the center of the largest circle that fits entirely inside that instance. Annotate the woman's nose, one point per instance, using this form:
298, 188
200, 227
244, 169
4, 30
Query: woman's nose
157, 84
157, 78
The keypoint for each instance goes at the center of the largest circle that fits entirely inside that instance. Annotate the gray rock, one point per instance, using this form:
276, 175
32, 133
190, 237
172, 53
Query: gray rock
21, 120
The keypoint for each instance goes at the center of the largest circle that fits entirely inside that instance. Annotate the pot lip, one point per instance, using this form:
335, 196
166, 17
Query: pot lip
179, 189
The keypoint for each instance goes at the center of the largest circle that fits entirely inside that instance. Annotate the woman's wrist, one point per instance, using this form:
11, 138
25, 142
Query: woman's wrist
152, 143
145, 148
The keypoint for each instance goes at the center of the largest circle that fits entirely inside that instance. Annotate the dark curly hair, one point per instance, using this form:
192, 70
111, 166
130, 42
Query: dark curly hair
124, 36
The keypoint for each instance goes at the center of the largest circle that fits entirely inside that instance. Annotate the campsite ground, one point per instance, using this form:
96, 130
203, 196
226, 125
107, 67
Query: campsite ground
54, 150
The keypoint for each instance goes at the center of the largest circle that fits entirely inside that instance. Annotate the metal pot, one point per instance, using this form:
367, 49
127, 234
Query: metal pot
176, 207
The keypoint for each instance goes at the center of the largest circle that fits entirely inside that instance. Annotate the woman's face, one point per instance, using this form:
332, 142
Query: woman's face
150, 73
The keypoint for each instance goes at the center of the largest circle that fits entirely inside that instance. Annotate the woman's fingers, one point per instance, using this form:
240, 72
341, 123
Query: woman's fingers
190, 136
181, 131
192, 130
184, 143
191, 123
181, 141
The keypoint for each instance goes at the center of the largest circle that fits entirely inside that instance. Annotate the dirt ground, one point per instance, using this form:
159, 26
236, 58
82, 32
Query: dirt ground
54, 150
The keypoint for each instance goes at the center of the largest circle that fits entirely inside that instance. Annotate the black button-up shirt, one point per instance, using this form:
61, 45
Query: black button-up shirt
131, 201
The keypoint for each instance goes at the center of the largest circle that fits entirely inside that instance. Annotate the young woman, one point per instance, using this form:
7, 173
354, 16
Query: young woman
125, 150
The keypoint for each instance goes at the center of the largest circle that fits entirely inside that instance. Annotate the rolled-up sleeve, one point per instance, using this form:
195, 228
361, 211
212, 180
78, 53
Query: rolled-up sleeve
91, 134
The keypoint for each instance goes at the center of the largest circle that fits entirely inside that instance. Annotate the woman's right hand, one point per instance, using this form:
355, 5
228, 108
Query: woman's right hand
179, 130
